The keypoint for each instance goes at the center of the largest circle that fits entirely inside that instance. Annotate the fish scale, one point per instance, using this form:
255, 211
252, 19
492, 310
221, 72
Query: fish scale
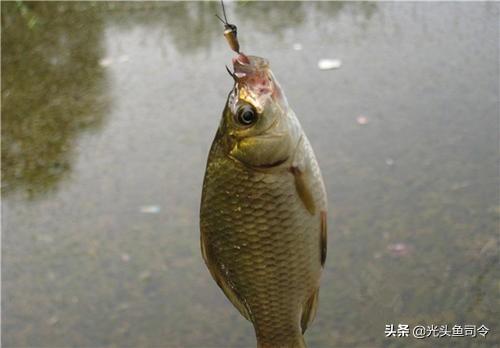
263, 241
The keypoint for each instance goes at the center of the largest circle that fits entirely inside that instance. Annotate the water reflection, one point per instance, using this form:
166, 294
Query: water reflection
414, 194
52, 89
191, 24
271, 17
274, 17
193, 27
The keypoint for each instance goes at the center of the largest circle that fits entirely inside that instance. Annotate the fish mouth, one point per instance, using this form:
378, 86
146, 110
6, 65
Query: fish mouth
255, 82
252, 72
241, 61
246, 64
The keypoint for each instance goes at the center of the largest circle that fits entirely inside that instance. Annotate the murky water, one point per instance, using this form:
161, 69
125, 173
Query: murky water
108, 111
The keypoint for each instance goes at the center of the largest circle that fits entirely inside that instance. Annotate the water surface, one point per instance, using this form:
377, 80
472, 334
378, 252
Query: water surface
108, 112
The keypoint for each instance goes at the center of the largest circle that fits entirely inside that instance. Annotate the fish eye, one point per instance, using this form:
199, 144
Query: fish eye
246, 115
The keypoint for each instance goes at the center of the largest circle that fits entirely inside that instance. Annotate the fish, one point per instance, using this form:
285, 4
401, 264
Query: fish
263, 212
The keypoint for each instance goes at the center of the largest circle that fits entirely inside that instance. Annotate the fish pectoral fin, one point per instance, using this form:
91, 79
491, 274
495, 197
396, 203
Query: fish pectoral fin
309, 310
303, 188
224, 284
301, 170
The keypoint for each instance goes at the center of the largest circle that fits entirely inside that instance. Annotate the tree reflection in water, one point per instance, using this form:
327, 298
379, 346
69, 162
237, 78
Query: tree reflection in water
52, 89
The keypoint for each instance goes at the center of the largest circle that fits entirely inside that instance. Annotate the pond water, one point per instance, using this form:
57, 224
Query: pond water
108, 112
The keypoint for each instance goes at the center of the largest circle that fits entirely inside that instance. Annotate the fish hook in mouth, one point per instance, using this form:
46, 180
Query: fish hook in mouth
235, 75
231, 74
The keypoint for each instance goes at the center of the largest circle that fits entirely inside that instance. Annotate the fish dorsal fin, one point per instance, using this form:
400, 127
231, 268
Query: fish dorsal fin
221, 281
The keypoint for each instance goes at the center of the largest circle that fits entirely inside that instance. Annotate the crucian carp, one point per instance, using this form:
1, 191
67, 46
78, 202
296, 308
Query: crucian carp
263, 208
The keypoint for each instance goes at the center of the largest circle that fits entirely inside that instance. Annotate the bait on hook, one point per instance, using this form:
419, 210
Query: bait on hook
230, 31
